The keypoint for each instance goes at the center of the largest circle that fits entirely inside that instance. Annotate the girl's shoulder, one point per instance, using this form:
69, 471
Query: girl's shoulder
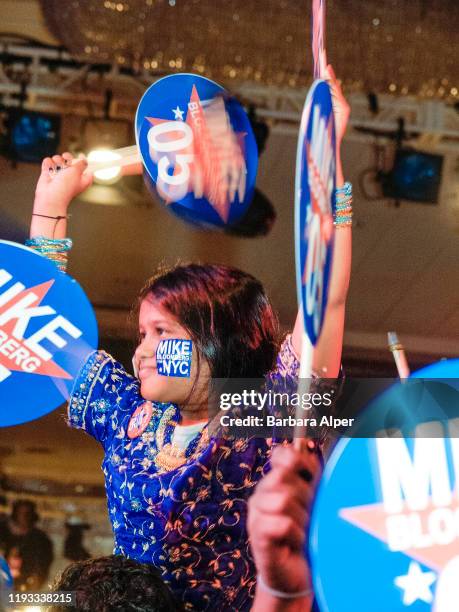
101, 387
287, 365
100, 368
288, 362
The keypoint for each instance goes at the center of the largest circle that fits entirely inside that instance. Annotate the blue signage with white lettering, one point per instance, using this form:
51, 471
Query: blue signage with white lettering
315, 202
384, 530
198, 150
47, 330
173, 357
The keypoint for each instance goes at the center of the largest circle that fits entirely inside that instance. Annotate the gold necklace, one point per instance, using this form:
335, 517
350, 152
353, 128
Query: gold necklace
170, 456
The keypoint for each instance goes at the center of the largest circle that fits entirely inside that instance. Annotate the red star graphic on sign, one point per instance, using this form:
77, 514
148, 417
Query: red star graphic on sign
17, 352
372, 519
217, 169
318, 194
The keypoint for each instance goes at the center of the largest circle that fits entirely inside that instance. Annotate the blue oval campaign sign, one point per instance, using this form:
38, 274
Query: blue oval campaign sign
385, 525
315, 202
446, 368
47, 329
198, 149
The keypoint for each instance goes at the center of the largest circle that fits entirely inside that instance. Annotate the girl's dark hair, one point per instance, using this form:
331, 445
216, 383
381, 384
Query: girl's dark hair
227, 314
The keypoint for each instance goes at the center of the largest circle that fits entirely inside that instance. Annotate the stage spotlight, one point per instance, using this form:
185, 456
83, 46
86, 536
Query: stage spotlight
102, 137
109, 175
32, 136
415, 176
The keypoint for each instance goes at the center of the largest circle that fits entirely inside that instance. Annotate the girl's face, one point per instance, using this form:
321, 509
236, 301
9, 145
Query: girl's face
156, 324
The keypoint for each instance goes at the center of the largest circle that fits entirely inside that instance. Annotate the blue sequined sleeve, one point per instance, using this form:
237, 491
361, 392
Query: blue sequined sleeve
101, 387
286, 371
284, 379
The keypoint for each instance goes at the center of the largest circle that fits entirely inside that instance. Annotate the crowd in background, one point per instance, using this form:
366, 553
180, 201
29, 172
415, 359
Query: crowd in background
29, 551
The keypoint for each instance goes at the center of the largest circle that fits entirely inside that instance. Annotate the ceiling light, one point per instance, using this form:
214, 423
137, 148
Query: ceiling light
107, 176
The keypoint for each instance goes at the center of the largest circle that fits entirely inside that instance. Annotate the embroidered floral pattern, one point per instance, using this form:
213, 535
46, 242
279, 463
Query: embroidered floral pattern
189, 522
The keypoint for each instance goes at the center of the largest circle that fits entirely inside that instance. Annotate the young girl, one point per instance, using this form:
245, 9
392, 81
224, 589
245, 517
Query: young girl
177, 497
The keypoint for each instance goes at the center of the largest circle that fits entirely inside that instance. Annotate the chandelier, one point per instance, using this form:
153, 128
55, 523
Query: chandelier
398, 46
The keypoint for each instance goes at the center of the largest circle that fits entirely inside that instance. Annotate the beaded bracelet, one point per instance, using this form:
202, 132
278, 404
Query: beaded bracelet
345, 190
54, 249
280, 594
343, 211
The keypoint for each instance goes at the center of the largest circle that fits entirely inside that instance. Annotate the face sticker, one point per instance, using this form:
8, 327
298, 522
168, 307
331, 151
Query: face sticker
139, 420
173, 358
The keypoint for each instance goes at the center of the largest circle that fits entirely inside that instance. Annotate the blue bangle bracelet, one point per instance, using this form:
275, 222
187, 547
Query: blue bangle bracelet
345, 190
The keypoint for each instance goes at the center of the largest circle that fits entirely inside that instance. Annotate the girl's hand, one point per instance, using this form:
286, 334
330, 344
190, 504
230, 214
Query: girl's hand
59, 183
341, 108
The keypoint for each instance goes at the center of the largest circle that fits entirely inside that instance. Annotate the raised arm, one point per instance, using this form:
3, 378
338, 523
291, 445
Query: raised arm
59, 183
327, 354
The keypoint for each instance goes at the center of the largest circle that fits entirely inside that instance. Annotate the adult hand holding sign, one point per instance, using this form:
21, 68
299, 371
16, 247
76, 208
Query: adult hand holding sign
278, 513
